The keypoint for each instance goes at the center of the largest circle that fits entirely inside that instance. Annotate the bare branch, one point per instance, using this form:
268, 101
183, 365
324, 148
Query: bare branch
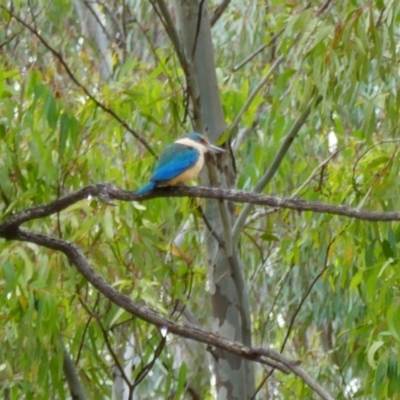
72, 378
117, 363
272, 42
69, 72
324, 7
264, 356
253, 94
97, 18
147, 367
163, 13
219, 11
263, 212
107, 192
308, 291
314, 172
312, 384
10, 38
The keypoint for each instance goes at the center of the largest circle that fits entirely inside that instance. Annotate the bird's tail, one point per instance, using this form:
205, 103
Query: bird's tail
147, 188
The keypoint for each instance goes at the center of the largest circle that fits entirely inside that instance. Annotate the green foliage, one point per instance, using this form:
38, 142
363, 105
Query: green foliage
333, 282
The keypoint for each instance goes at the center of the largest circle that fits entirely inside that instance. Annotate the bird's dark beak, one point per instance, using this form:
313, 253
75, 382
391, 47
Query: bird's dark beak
215, 149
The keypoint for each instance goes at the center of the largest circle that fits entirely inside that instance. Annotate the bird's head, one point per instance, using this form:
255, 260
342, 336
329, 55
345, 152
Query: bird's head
200, 142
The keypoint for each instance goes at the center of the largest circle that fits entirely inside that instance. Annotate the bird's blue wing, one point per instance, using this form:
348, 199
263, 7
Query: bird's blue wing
174, 160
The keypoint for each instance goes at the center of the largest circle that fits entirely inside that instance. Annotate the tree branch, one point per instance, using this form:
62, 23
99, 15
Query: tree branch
312, 384
72, 378
219, 11
164, 15
113, 354
107, 192
272, 42
306, 294
75, 256
254, 93
264, 356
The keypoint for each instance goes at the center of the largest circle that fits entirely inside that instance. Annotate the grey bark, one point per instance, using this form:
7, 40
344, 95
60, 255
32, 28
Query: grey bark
120, 389
195, 35
72, 378
91, 20
231, 316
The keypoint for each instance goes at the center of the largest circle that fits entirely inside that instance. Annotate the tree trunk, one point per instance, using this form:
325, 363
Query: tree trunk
234, 376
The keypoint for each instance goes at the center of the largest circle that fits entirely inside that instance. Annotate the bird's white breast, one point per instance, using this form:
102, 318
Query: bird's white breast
189, 174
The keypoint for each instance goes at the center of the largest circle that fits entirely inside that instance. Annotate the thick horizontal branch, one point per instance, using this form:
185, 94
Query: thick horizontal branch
109, 193
189, 331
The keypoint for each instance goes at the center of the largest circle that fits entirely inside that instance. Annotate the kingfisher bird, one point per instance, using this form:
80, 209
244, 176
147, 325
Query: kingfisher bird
180, 162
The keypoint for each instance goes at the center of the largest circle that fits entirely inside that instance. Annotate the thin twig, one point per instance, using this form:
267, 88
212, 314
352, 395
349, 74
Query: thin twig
85, 330
10, 38
217, 237
258, 51
96, 17
162, 11
324, 7
306, 294
219, 11
314, 172
254, 93
147, 367
302, 301
107, 342
239, 224
69, 72
263, 212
